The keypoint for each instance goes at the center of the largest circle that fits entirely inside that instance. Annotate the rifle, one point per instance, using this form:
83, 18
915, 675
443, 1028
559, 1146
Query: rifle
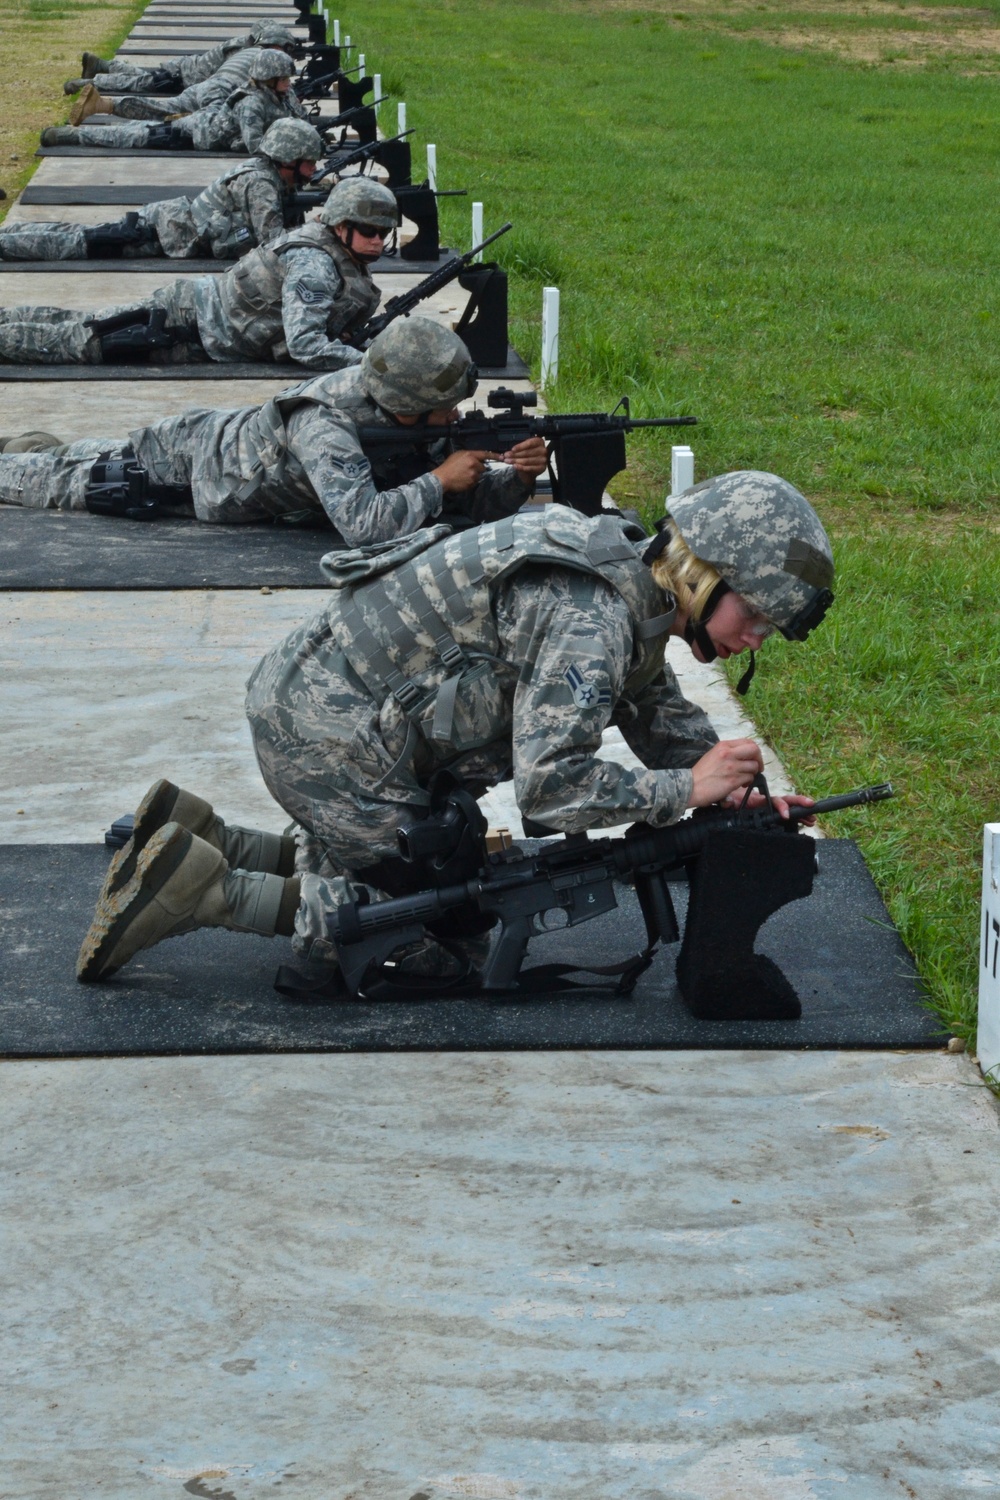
404, 303
588, 448
744, 864
296, 204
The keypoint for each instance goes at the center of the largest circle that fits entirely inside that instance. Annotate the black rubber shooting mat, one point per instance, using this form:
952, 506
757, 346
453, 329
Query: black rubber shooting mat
44, 549
75, 197
514, 369
386, 265
211, 991
91, 151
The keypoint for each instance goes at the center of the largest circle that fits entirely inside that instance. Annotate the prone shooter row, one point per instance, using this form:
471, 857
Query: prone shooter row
472, 635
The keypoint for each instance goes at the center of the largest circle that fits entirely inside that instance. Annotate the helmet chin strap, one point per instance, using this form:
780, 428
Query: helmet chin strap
696, 634
366, 259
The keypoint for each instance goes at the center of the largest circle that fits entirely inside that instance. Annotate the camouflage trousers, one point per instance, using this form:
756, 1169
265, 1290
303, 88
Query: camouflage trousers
328, 783
57, 241
136, 105
62, 336
132, 80
54, 480
121, 135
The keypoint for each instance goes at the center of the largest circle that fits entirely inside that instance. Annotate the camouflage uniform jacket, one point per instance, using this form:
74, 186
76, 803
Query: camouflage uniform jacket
239, 123
239, 210
299, 455
205, 65
288, 300
503, 650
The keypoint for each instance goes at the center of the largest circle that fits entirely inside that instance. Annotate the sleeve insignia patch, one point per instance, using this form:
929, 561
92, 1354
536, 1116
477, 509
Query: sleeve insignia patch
308, 294
585, 695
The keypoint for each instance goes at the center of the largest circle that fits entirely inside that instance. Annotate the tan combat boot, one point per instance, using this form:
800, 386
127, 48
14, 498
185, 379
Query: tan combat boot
30, 442
90, 103
176, 887
245, 849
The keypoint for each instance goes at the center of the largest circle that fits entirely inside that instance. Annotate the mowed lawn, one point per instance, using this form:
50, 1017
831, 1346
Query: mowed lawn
797, 244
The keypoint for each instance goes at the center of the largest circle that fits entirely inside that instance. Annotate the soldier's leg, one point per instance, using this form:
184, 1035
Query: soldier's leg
26, 241
53, 480
182, 883
140, 107
47, 336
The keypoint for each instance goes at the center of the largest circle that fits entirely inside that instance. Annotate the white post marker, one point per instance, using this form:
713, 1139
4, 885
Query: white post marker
347, 47
378, 90
361, 65
681, 468
336, 30
477, 227
432, 168
400, 118
988, 1045
550, 334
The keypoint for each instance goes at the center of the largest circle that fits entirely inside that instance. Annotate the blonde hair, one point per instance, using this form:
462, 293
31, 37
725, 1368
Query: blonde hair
680, 573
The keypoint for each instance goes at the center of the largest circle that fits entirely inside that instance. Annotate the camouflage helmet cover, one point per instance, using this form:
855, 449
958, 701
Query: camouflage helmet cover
269, 63
764, 538
360, 200
416, 366
272, 34
289, 141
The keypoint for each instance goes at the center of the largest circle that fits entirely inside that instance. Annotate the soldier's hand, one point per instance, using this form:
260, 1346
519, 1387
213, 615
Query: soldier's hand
529, 458
462, 470
727, 766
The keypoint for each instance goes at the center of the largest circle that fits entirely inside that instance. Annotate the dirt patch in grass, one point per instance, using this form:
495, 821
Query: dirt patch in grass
875, 35
40, 46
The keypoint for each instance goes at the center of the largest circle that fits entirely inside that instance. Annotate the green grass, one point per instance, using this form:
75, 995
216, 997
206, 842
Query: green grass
801, 252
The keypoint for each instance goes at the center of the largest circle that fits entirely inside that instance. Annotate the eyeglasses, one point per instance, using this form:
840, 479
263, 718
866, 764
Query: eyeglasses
754, 622
371, 231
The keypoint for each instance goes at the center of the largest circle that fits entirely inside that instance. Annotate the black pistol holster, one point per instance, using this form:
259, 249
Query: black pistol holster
111, 241
165, 82
122, 487
166, 137
129, 338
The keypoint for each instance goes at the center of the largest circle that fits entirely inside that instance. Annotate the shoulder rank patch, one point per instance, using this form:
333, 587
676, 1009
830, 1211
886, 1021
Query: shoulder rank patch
308, 294
585, 695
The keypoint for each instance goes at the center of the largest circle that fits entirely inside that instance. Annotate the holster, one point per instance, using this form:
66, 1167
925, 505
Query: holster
122, 487
167, 138
130, 337
165, 82
110, 241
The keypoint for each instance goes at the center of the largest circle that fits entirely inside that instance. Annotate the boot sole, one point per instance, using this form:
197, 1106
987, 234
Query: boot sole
153, 811
115, 914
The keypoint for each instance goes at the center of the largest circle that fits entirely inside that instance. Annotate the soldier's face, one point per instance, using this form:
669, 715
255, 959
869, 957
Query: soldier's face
735, 626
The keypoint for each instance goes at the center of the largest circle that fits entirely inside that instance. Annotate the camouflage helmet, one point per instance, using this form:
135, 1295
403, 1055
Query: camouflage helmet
416, 366
269, 63
765, 540
272, 34
360, 200
288, 141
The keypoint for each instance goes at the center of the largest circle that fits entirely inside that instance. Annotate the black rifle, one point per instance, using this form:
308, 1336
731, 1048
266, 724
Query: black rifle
404, 303
588, 448
364, 120
742, 865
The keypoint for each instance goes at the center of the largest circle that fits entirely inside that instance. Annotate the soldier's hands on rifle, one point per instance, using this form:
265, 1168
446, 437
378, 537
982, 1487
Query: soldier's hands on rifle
724, 773
529, 458
461, 470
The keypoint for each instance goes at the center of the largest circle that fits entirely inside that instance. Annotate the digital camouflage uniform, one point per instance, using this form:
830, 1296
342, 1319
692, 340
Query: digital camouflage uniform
236, 123
206, 76
296, 456
553, 629
285, 301
239, 210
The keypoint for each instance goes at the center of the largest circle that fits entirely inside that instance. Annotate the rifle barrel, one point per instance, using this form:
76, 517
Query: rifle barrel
663, 421
880, 793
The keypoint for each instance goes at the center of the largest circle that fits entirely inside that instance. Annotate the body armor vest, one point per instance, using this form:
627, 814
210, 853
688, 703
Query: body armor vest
251, 292
263, 442
219, 213
416, 623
